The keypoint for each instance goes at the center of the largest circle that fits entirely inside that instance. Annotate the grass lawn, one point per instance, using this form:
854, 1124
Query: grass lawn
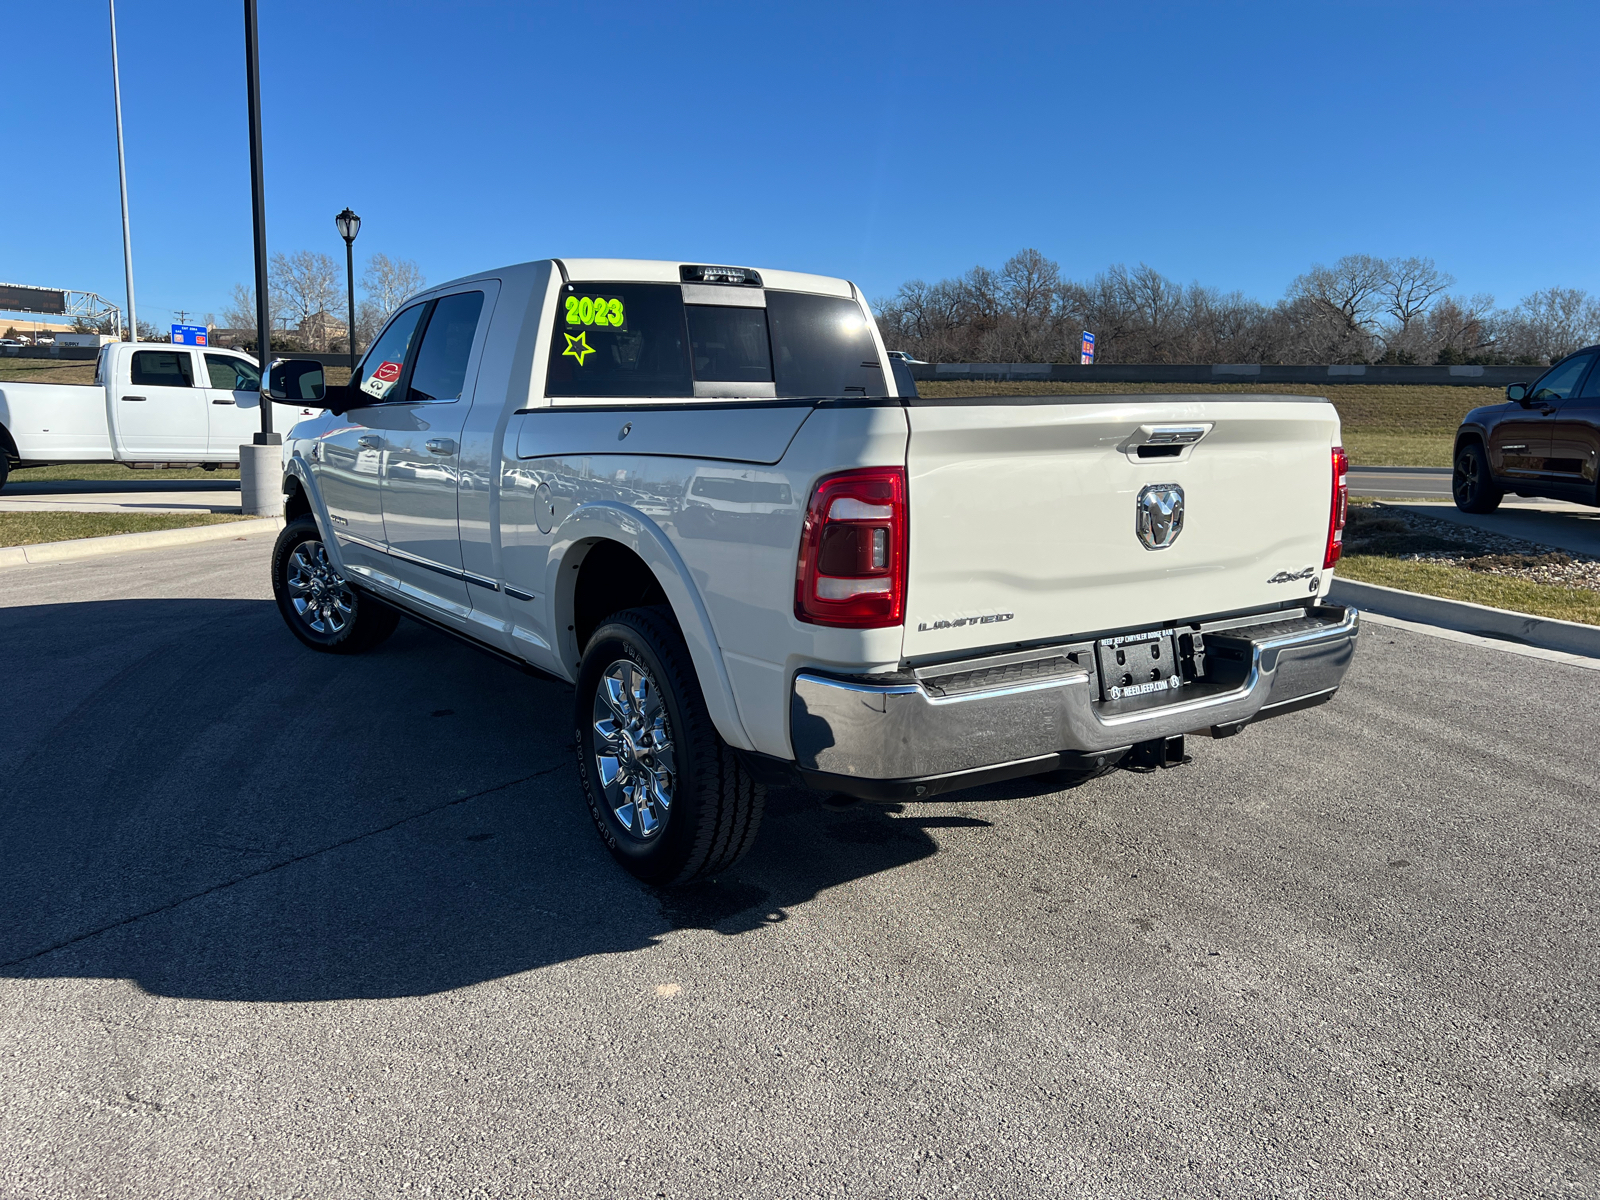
46, 370
115, 472
1385, 425
1458, 583
30, 529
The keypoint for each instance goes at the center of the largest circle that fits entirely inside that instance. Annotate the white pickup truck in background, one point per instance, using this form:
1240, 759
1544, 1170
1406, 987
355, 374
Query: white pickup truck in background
149, 404
710, 500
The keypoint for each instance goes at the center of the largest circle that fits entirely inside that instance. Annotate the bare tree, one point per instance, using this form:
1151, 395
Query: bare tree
240, 313
1348, 297
1551, 324
309, 283
387, 282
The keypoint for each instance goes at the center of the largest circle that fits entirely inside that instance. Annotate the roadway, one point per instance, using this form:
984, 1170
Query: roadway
283, 923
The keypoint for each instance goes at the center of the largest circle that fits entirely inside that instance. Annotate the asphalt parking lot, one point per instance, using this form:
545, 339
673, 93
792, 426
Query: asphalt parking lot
280, 924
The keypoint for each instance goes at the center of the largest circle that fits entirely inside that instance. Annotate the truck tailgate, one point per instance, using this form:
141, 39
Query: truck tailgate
1024, 511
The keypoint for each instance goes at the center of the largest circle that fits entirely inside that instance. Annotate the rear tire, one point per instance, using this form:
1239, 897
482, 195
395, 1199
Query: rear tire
320, 608
5, 468
672, 801
1471, 484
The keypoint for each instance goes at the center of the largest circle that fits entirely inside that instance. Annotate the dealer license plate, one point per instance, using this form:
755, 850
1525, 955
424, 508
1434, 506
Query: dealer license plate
1138, 664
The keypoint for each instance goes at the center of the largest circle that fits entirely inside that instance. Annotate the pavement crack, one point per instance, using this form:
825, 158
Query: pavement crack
277, 866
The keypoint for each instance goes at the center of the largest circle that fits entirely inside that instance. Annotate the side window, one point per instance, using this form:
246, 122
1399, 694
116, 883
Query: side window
379, 371
234, 374
729, 345
1591, 386
1559, 382
821, 346
441, 369
619, 339
163, 368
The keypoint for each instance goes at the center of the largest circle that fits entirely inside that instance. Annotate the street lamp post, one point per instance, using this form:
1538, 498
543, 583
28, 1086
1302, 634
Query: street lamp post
349, 225
122, 175
260, 463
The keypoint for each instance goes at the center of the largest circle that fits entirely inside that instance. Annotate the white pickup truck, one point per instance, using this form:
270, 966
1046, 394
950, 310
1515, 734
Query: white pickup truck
707, 498
149, 403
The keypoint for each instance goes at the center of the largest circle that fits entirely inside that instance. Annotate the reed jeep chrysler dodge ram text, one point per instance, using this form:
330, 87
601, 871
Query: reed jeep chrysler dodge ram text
708, 498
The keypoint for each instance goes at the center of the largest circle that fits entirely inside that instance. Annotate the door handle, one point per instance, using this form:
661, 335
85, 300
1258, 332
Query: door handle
369, 441
138, 398
227, 401
440, 446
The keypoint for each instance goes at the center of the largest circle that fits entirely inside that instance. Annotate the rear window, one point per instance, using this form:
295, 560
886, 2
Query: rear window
619, 339
640, 339
163, 368
821, 346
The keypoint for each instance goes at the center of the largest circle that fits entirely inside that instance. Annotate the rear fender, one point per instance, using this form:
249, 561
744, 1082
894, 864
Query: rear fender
593, 523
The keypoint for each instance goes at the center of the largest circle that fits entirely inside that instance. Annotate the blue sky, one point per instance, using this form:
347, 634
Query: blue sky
1230, 143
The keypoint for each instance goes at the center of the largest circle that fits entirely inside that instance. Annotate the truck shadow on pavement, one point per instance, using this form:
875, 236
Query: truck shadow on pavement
193, 801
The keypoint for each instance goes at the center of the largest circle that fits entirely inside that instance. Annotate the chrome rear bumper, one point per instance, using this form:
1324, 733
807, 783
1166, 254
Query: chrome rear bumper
914, 737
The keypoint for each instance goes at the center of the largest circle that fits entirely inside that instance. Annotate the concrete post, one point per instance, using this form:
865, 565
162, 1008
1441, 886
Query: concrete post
261, 480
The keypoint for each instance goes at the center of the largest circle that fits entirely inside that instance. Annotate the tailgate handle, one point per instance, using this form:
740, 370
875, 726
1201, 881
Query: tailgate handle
1173, 435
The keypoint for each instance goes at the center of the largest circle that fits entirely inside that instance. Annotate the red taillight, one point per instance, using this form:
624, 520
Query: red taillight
852, 568
1341, 504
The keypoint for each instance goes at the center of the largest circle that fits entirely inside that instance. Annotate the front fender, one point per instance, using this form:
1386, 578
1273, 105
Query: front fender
295, 467
592, 523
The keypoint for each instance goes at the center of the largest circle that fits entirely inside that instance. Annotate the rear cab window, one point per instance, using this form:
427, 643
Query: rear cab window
672, 341
162, 368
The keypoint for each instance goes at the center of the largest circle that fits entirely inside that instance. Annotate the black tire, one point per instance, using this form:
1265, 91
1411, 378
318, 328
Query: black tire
5, 468
671, 752
1471, 484
320, 608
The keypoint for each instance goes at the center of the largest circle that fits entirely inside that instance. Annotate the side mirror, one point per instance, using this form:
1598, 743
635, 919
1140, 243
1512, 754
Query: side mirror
1518, 392
297, 380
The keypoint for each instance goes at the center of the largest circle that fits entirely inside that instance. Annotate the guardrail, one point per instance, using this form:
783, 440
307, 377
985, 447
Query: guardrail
1224, 373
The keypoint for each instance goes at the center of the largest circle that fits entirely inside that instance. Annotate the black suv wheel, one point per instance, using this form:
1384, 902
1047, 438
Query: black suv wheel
1471, 484
320, 608
671, 799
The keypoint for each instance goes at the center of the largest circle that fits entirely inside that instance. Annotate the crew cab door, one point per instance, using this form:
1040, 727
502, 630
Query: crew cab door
157, 412
1575, 435
235, 404
347, 460
1520, 443
422, 447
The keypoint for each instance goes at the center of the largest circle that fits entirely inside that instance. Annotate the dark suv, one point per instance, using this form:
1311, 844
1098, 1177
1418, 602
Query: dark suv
1545, 441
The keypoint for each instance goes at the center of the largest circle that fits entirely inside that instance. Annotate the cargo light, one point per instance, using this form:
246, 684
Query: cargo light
852, 567
743, 275
1340, 506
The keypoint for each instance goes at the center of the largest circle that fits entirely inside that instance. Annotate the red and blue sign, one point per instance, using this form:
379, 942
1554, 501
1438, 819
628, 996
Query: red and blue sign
188, 335
1088, 348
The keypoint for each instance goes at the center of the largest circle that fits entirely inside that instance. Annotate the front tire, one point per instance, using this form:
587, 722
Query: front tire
1471, 484
320, 608
672, 801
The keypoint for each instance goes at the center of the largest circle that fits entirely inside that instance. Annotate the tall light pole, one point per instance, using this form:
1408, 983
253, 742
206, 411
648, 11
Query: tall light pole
122, 175
260, 465
258, 206
348, 225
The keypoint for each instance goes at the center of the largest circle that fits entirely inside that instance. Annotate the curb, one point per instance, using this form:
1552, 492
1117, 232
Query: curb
1570, 637
121, 543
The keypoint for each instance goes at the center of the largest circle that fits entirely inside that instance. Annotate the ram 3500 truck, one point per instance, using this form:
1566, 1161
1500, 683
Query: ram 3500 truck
149, 403
707, 498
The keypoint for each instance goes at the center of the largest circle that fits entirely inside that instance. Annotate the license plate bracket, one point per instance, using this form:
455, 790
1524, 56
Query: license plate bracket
1138, 664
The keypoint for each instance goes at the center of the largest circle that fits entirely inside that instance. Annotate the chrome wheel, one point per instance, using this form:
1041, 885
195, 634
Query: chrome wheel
321, 598
633, 748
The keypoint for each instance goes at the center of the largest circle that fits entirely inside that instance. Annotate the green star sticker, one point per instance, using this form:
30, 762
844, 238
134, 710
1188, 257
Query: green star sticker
578, 347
